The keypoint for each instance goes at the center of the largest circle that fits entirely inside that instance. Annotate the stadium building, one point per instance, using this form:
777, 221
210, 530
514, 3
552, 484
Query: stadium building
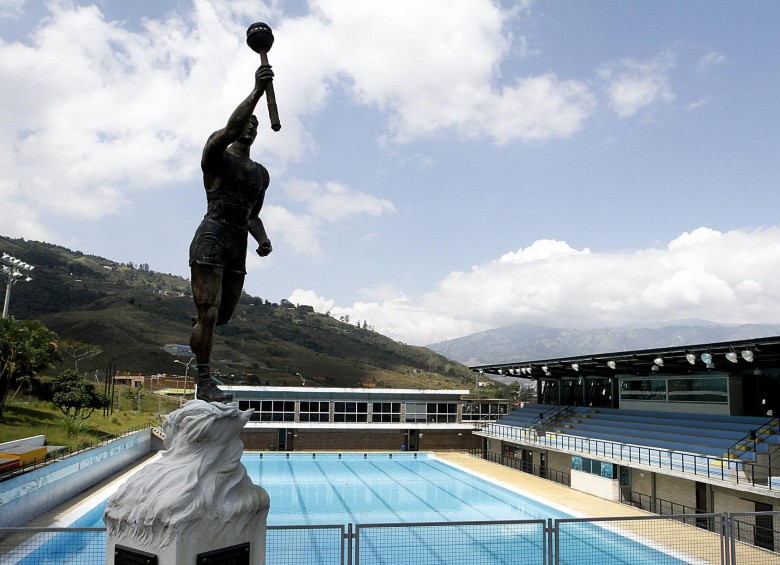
690, 429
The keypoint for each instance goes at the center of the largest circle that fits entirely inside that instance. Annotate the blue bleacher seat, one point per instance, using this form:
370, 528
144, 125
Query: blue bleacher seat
706, 434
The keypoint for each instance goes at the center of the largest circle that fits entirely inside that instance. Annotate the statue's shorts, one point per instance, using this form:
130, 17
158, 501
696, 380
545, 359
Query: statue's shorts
220, 246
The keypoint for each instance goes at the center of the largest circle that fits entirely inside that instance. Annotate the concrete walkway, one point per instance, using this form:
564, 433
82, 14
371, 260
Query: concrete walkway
583, 504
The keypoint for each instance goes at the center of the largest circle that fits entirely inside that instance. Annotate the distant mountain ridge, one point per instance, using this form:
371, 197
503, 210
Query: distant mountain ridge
526, 342
141, 319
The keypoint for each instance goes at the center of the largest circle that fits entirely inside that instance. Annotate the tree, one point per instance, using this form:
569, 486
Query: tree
76, 397
26, 347
79, 350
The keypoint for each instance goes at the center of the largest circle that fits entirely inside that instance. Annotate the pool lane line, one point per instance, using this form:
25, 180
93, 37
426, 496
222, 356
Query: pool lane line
298, 494
336, 493
475, 540
400, 519
463, 501
465, 532
302, 504
551, 511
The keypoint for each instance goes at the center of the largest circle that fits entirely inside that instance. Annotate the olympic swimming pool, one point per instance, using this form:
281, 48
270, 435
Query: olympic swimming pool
403, 488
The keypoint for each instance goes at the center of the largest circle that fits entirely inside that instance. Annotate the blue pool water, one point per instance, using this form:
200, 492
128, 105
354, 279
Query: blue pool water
377, 488
324, 488
404, 488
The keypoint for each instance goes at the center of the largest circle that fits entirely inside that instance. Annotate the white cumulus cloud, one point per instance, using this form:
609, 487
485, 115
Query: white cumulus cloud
632, 85
728, 277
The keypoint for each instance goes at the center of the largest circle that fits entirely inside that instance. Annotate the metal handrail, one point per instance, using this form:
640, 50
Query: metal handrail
713, 467
751, 439
553, 416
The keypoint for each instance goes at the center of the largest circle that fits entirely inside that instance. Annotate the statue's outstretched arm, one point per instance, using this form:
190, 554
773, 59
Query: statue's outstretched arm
220, 139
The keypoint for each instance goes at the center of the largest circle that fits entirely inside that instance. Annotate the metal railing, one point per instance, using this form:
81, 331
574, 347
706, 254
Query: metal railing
727, 470
727, 539
553, 415
71, 451
554, 475
750, 442
654, 504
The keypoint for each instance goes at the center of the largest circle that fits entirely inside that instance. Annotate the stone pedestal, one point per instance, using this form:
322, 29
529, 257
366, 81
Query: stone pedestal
195, 505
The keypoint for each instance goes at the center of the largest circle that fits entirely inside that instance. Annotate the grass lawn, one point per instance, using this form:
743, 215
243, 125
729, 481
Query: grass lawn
26, 417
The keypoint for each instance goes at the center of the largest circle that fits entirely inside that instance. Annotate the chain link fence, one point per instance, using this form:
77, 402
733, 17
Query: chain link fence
717, 539
472, 543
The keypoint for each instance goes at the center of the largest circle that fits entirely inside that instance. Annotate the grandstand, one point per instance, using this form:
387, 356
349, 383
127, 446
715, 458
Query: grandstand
706, 434
690, 430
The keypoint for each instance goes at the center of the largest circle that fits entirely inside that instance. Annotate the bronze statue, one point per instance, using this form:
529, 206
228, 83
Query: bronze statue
235, 188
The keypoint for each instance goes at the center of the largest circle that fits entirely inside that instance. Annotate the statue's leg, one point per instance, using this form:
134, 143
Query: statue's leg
207, 293
232, 287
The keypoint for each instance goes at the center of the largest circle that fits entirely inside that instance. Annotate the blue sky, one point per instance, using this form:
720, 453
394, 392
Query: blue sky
444, 167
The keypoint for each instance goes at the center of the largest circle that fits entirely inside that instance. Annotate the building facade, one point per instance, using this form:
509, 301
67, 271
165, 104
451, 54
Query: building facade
315, 418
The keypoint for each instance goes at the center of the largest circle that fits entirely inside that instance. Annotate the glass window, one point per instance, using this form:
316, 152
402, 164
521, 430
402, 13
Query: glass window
350, 411
315, 411
269, 411
699, 390
386, 411
474, 411
600, 468
643, 389
416, 411
441, 412
253, 405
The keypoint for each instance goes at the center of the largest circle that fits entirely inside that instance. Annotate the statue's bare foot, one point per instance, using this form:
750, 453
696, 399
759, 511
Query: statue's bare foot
209, 391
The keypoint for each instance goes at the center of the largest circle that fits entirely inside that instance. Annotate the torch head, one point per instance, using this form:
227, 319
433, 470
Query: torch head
259, 37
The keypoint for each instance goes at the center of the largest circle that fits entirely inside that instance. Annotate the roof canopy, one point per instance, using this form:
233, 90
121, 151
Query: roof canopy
730, 357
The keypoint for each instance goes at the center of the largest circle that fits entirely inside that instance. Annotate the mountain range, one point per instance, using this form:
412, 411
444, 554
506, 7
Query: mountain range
525, 342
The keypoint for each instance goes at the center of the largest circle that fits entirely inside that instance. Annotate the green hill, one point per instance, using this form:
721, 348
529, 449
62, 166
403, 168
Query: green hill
131, 312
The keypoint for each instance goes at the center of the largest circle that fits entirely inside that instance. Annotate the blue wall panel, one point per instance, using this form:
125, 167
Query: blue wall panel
27, 496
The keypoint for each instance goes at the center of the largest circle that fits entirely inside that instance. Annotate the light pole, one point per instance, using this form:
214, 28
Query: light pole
186, 370
13, 269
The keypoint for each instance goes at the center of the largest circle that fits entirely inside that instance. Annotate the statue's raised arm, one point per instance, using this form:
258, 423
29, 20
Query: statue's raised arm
221, 139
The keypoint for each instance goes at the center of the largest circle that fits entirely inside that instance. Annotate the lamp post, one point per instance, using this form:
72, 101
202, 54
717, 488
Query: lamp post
186, 370
14, 270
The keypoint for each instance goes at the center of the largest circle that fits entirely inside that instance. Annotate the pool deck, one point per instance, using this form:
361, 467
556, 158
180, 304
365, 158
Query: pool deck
586, 505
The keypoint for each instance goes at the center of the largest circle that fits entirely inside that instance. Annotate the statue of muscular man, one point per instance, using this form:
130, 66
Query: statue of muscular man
235, 189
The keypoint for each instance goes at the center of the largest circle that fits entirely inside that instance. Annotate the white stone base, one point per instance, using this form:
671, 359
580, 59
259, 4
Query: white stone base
185, 552
196, 498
